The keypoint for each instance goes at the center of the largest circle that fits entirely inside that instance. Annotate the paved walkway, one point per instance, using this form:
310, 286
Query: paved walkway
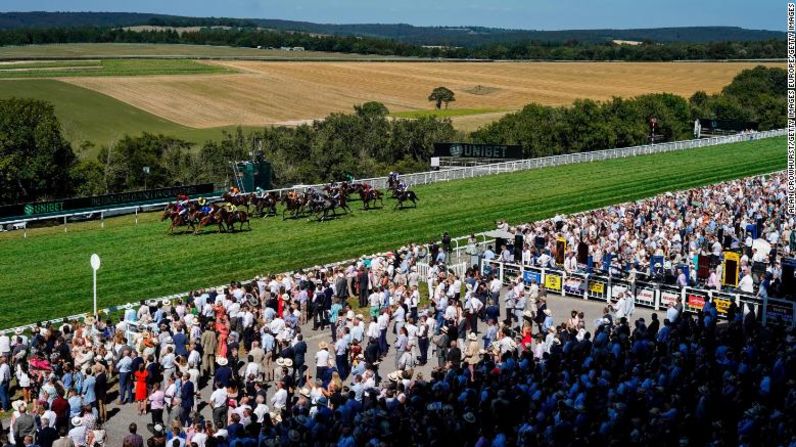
560, 307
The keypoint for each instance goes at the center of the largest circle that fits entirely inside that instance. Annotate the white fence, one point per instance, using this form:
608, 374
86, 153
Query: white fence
424, 178
644, 294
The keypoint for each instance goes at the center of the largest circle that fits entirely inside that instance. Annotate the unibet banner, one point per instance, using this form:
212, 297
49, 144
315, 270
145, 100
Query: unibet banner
471, 150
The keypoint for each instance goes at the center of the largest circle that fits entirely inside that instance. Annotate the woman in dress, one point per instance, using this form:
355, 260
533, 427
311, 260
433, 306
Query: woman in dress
222, 328
140, 388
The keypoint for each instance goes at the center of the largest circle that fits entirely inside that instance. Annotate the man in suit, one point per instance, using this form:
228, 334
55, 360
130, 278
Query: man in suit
187, 392
47, 435
24, 425
209, 343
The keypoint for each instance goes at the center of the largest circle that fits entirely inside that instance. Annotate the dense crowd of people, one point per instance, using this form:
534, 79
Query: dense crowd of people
665, 236
474, 363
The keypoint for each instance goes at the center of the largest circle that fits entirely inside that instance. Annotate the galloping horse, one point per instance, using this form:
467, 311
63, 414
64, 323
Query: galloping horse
321, 205
238, 200
231, 217
403, 196
293, 203
368, 194
211, 218
177, 219
267, 202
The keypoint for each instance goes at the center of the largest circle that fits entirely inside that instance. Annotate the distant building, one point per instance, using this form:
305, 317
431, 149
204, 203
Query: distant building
627, 42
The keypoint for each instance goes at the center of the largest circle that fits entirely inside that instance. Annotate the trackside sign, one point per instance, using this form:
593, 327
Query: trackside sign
473, 150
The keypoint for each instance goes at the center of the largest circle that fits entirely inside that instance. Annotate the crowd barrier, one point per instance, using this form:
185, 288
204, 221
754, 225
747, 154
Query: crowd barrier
646, 294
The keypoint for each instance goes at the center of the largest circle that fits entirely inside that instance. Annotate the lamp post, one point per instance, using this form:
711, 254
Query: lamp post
146, 173
95, 265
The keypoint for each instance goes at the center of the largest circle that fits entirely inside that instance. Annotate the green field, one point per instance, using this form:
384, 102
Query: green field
108, 67
88, 115
143, 261
120, 50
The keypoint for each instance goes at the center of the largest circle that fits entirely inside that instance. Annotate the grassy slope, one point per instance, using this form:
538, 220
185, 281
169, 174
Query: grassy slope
110, 67
88, 115
143, 261
110, 50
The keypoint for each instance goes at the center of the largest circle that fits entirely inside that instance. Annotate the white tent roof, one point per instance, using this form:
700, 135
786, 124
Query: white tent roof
499, 234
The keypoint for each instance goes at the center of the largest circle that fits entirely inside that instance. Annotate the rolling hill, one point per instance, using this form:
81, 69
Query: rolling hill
467, 36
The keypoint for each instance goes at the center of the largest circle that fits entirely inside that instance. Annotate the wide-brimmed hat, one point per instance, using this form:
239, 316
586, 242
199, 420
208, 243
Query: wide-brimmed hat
444, 329
472, 336
323, 345
222, 361
360, 316
527, 313
158, 428
394, 376
18, 331
305, 392
547, 312
469, 417
77, 421
18, 405
276, 417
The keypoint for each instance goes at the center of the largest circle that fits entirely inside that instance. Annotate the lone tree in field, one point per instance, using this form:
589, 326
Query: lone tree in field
440, 95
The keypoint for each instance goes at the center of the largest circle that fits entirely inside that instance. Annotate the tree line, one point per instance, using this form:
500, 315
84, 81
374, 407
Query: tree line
37, 163
754, 96
505, 50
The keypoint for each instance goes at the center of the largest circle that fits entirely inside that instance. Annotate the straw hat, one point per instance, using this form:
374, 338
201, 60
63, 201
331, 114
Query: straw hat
472, 336
77, 421
444, 329
288, 363
394, 376
280, 361
547, 312
305, 392
222, 361
360, 316
323, 345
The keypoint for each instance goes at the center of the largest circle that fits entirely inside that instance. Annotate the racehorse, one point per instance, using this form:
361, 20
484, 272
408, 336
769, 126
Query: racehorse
177, 219
321, 205
238, 200
267, 202
293, 203
403, 196
368, 195
231, 217
211, 218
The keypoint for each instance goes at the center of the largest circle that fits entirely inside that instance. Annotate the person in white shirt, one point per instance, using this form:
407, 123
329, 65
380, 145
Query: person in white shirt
746, 284
279, 400
5, 344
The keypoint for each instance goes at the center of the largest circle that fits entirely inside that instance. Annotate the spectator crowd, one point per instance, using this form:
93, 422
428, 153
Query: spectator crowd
357, 355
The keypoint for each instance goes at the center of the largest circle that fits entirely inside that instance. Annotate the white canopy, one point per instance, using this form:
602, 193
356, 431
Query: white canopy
499, 234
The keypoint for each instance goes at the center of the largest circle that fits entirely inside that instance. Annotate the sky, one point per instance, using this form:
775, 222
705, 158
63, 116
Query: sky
520, 14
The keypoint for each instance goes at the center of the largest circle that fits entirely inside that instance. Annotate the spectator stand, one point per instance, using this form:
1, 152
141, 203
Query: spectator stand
645, 293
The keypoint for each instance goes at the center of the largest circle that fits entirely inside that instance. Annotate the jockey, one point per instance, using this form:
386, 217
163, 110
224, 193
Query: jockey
259, 193
182, 203
393, 177
402, 187
205, 207
233, 190
230, 207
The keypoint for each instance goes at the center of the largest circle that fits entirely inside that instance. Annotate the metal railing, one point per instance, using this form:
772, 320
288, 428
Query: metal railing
649, 294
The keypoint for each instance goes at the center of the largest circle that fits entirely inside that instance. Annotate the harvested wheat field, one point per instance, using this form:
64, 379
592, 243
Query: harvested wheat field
278, 92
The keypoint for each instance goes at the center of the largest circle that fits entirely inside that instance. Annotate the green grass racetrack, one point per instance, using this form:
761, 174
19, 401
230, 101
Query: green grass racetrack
47, 275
